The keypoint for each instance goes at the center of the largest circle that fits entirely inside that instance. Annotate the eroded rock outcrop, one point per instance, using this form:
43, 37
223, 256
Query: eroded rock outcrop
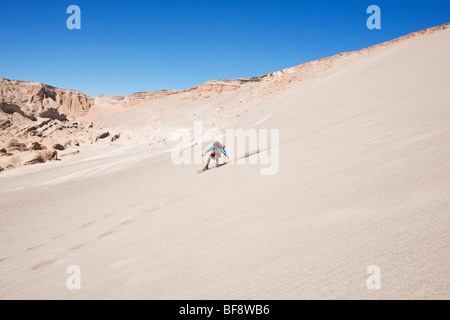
33, 99
25, 142
36, 119
134, 99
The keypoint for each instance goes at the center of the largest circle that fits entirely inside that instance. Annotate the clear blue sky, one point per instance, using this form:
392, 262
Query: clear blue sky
128, 45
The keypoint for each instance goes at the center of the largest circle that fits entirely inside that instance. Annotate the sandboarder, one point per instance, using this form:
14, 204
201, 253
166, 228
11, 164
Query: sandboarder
216, 150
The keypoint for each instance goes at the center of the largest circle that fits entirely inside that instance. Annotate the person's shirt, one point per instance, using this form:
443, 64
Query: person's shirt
221, 149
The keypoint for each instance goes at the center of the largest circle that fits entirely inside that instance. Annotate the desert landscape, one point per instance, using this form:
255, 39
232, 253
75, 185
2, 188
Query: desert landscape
363, 179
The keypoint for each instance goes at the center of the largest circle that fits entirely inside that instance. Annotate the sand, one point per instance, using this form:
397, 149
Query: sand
364, 179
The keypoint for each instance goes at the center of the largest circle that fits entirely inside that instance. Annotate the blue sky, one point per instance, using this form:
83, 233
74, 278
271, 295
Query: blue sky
128, 46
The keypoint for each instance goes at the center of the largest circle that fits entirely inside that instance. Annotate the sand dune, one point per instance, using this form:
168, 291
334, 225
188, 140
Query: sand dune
363, 180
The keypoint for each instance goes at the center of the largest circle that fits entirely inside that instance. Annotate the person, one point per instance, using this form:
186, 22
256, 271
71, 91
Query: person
216, 150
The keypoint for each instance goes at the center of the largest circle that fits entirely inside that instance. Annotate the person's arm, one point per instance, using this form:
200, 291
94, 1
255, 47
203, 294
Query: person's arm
225, 154
207, 150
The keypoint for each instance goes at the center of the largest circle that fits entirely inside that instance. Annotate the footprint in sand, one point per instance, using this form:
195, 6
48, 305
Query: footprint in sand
35, 247
43, 264
87, 224
126, 222
80, 246
107, 233
103, 235
109, 214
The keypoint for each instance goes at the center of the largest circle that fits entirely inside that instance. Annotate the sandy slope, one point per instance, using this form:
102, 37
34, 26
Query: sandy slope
364, 180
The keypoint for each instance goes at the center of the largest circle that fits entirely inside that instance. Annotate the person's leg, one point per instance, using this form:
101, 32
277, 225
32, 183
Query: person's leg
217, 161
207, 163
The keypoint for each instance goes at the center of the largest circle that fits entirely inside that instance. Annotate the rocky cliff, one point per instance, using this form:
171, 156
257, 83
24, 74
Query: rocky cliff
33, 99
38, 122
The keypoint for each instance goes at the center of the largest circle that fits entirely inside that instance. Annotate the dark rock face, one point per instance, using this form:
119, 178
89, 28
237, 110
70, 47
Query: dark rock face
18, 146
36, 146
115, 137
5, 124
54, 114
103, 135
58, 147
